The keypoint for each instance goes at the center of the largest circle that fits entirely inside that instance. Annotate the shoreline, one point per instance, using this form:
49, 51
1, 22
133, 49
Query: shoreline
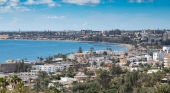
46, 40
125, 47
65, 41
128, 46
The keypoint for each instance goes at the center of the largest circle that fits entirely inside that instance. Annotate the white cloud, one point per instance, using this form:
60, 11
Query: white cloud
14, 21
11, 6
82, 2
1, 18
2, 2
85, 24
140, 1
5, 9
50, 3
14, 3
54, 17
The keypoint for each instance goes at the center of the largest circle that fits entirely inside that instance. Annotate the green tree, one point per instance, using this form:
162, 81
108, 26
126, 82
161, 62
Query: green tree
70, 72
115, 69
102, 64
94, 63
91, 51
87, 87
161, 88
42, 81
49, 59
104, 78
3, 85
105, 54
15, 79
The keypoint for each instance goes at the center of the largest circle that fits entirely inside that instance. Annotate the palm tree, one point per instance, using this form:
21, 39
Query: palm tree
18, 87
94, 54
110, 49
94, 63
80, 50
105, 54
3, 84
15, 79
91, 51
41, 59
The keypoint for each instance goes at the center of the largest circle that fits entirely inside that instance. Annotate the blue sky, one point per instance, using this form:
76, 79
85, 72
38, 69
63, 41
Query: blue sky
57, 15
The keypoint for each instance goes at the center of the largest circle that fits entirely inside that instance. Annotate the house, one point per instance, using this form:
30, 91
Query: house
7, 67
53, 68
158, 56
81, 77
122, 60
167, 60
5, 36
65, 81
148, 57
82, 60
48, 68
75, 56
166, 49
27, 76
57, 59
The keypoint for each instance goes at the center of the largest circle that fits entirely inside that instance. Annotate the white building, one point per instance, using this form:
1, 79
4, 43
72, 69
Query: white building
148, 57
133, 59
52, 68
75, 56
158, 56
167, 60
166, 49
48, 68
26, 76
58, 59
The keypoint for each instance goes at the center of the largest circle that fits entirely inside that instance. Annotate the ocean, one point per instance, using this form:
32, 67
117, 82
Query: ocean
32, 49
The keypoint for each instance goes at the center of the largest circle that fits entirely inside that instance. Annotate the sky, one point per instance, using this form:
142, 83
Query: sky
57, 15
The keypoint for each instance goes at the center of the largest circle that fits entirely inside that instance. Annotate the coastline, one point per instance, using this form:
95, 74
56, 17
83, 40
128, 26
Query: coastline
65, 41
47, 40
128, 46
103, 45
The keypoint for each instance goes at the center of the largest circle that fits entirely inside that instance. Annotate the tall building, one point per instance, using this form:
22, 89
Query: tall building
165, 36
167, 60
158, 56
150, 38
86, 32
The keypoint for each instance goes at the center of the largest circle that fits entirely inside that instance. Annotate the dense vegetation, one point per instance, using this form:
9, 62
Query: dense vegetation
114, 80
117, 80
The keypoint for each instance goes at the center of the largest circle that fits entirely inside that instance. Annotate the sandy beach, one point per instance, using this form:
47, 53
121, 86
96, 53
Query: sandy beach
129, 46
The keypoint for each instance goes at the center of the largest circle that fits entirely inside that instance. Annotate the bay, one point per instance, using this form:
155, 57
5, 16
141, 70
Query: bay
32, 49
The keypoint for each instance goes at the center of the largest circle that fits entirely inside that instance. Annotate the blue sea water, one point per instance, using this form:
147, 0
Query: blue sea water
30, 49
